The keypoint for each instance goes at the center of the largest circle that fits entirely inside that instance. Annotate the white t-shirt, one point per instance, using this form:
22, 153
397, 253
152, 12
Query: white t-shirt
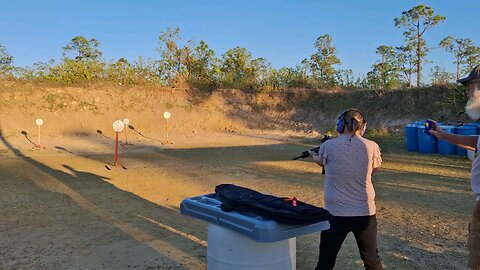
349, 163
475, 175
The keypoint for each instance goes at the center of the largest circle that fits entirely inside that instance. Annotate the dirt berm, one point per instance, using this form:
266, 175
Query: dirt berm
88, 109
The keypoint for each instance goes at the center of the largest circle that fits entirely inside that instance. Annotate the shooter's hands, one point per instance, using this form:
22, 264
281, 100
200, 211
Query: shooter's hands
316, 157
436, 130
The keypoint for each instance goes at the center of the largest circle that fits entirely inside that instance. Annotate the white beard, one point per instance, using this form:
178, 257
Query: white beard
473, 106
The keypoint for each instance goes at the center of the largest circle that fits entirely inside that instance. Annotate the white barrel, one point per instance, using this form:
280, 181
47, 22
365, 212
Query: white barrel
230, 250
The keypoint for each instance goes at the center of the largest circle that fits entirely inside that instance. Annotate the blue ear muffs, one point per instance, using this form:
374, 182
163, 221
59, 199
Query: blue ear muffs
341, 121
340, 124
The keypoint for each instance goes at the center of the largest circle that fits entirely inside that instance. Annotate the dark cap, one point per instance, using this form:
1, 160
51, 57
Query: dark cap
473, 76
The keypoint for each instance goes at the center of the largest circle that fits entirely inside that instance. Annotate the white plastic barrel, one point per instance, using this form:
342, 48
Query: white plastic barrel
230, 250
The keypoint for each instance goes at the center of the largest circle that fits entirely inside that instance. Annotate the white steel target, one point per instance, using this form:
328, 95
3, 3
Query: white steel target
118, 126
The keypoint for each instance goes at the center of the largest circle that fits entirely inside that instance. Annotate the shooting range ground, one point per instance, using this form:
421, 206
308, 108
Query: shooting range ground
62, 210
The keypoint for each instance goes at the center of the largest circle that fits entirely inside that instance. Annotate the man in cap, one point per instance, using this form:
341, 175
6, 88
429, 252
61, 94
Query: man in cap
472, 81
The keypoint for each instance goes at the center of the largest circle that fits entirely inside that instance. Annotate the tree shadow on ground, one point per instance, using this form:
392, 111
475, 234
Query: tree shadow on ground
254, 165
64, 218
261, 162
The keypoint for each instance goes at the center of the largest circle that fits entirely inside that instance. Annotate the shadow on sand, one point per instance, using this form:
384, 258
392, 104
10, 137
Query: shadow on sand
69, 218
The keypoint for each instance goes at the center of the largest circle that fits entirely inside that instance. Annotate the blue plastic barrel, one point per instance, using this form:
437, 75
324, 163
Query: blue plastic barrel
474, 124
427, 144
412, 137
465, 130
445, 148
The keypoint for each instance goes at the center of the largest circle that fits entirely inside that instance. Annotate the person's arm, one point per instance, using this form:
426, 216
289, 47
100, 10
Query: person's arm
465, 141
319, 163
319, 156
377, 158
316, 158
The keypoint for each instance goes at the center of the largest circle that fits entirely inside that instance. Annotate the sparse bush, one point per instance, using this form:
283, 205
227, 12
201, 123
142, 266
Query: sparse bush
6, 61
73, 72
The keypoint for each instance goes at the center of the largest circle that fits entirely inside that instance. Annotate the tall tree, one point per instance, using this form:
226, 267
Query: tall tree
372, 80
387, 67
235, 64
259, 70
176, 61
187, 58
304, 68
82, 62
344, 77
6, 60
416, 22
203, 64
324, 59
440, 76
405, 56
82, 49
121, 72
288, 77
146, 71
467, 55
170, 53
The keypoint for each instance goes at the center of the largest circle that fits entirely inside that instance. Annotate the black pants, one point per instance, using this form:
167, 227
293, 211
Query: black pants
364, 229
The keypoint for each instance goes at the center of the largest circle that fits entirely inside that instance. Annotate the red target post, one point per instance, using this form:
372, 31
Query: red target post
116, 149
118, 127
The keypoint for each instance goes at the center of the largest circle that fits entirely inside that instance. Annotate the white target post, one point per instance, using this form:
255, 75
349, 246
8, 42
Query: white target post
39, 123
167, 116
118, 126
126, 121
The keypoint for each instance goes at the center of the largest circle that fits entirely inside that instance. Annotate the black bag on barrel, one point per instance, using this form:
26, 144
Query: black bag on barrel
282, 210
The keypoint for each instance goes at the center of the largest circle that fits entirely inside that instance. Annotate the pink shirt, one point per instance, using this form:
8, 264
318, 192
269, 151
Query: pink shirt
349, 163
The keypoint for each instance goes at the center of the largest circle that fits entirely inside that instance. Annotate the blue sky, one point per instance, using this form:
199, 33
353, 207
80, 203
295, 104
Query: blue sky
283, 32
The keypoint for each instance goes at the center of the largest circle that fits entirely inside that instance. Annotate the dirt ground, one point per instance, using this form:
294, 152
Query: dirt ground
62, 208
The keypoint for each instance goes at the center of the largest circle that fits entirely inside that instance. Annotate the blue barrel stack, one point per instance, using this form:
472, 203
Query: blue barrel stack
412, 137
427, 144
465, 130
418, 140
445, 148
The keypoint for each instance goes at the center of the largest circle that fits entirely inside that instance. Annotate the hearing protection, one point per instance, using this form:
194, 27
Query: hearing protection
342, 121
